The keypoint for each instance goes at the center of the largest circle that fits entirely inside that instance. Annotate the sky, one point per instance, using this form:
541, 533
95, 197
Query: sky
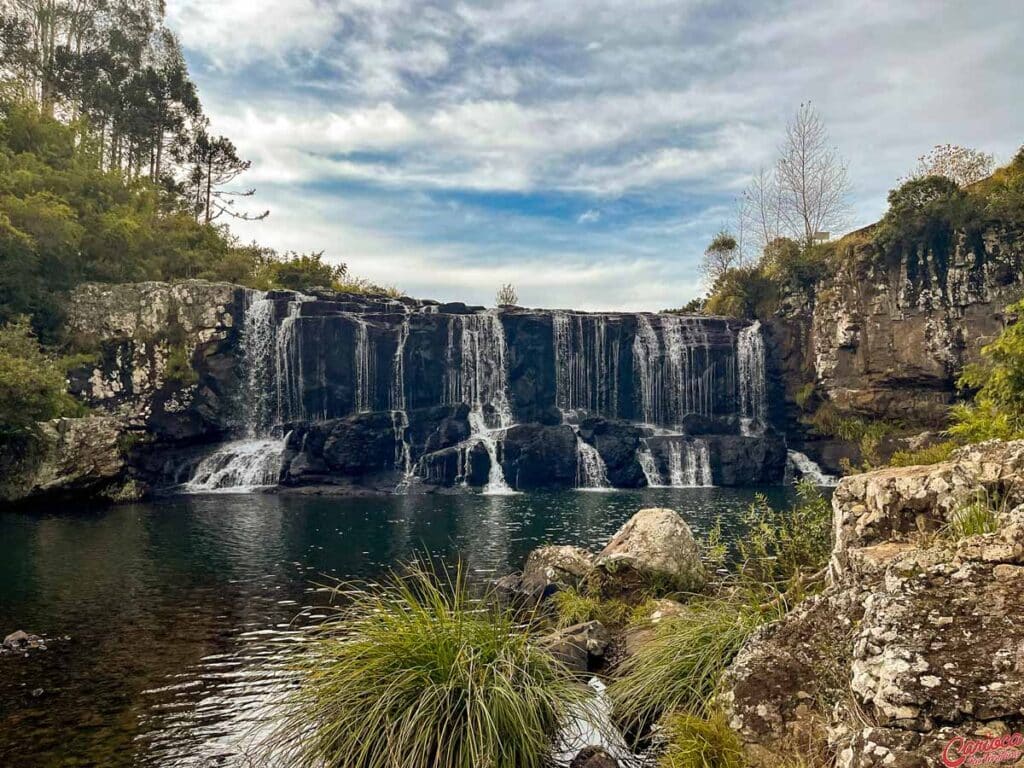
584, 151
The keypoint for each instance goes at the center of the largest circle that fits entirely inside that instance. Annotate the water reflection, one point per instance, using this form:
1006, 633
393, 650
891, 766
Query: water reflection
181, 611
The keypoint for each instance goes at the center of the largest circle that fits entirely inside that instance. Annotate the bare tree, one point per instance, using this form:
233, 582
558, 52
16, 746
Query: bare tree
961, 165
720, 256
813, 185
506, 295
760, 211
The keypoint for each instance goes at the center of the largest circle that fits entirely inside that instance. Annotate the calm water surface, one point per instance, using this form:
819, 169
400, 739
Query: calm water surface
179, 612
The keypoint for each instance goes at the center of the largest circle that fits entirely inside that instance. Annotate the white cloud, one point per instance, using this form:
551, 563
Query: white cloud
377, 114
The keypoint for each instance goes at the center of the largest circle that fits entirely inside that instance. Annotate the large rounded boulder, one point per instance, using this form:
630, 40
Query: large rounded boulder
653, 554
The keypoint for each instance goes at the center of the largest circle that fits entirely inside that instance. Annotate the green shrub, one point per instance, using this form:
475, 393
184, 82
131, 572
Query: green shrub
179, 367
694, 741
32, 384
414, 673
783, 550
932, 454
573, 607
680, 668
743, 292
978, 517
998, 408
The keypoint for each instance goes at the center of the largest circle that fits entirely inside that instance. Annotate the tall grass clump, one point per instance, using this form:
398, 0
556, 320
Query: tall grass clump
974, 519
680, 668
417, 674
573, 607
694, 741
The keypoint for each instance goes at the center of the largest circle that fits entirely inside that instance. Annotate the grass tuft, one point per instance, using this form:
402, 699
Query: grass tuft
416, 674
974, 519
680, 668
573, 607
701, 742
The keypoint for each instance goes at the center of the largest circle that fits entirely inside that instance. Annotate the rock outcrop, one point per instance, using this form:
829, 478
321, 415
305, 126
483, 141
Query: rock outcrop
654, 552
917, 640
76, 457
886, 333
377, 393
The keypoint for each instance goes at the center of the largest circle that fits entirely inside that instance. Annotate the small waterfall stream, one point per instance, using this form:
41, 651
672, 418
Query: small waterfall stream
689, 464
481, 380
808, 469
649, 465
255, 460
753, 394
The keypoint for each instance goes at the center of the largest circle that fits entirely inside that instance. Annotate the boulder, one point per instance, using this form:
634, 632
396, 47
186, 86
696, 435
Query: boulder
917, 638
579, 647
593, 757
559, 566
653, 553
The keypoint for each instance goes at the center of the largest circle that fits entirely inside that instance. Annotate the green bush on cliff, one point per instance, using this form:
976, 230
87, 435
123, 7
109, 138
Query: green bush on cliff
32, 384
416, 674
997, 411
701, 742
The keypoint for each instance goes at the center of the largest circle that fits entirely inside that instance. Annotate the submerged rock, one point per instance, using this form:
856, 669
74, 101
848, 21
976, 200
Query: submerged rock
20, 641
653, 553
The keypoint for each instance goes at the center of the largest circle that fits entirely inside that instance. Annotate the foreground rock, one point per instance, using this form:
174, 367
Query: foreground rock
919, 637
559, 566
653, 553
580, 647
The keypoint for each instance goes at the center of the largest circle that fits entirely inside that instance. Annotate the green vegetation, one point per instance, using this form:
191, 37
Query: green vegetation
32, 389
788, 548
975, 518
574, 607
415, 673
680, 668
701, 742
932, 454
998, 407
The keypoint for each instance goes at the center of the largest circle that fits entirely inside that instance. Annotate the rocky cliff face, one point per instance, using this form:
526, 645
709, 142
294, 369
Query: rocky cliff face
917, 641
886, 335
380, 393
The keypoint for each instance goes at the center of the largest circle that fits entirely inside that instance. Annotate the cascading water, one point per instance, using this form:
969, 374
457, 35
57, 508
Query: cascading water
481, 380
255, 460
689, 464
753, 392
591, 471
675, 373
649, 465
808, 469
586, 364
399, 415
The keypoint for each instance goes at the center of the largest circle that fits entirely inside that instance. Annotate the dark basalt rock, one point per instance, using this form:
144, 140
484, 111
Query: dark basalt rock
539, 456
617, 443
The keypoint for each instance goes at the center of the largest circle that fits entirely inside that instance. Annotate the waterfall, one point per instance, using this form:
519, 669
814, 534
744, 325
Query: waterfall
481, 380
365, 367
648, 464
586, 364
255, 460
403, 450
675, 373
808, 469
238, 466
753, 396
591, 472
689, 464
